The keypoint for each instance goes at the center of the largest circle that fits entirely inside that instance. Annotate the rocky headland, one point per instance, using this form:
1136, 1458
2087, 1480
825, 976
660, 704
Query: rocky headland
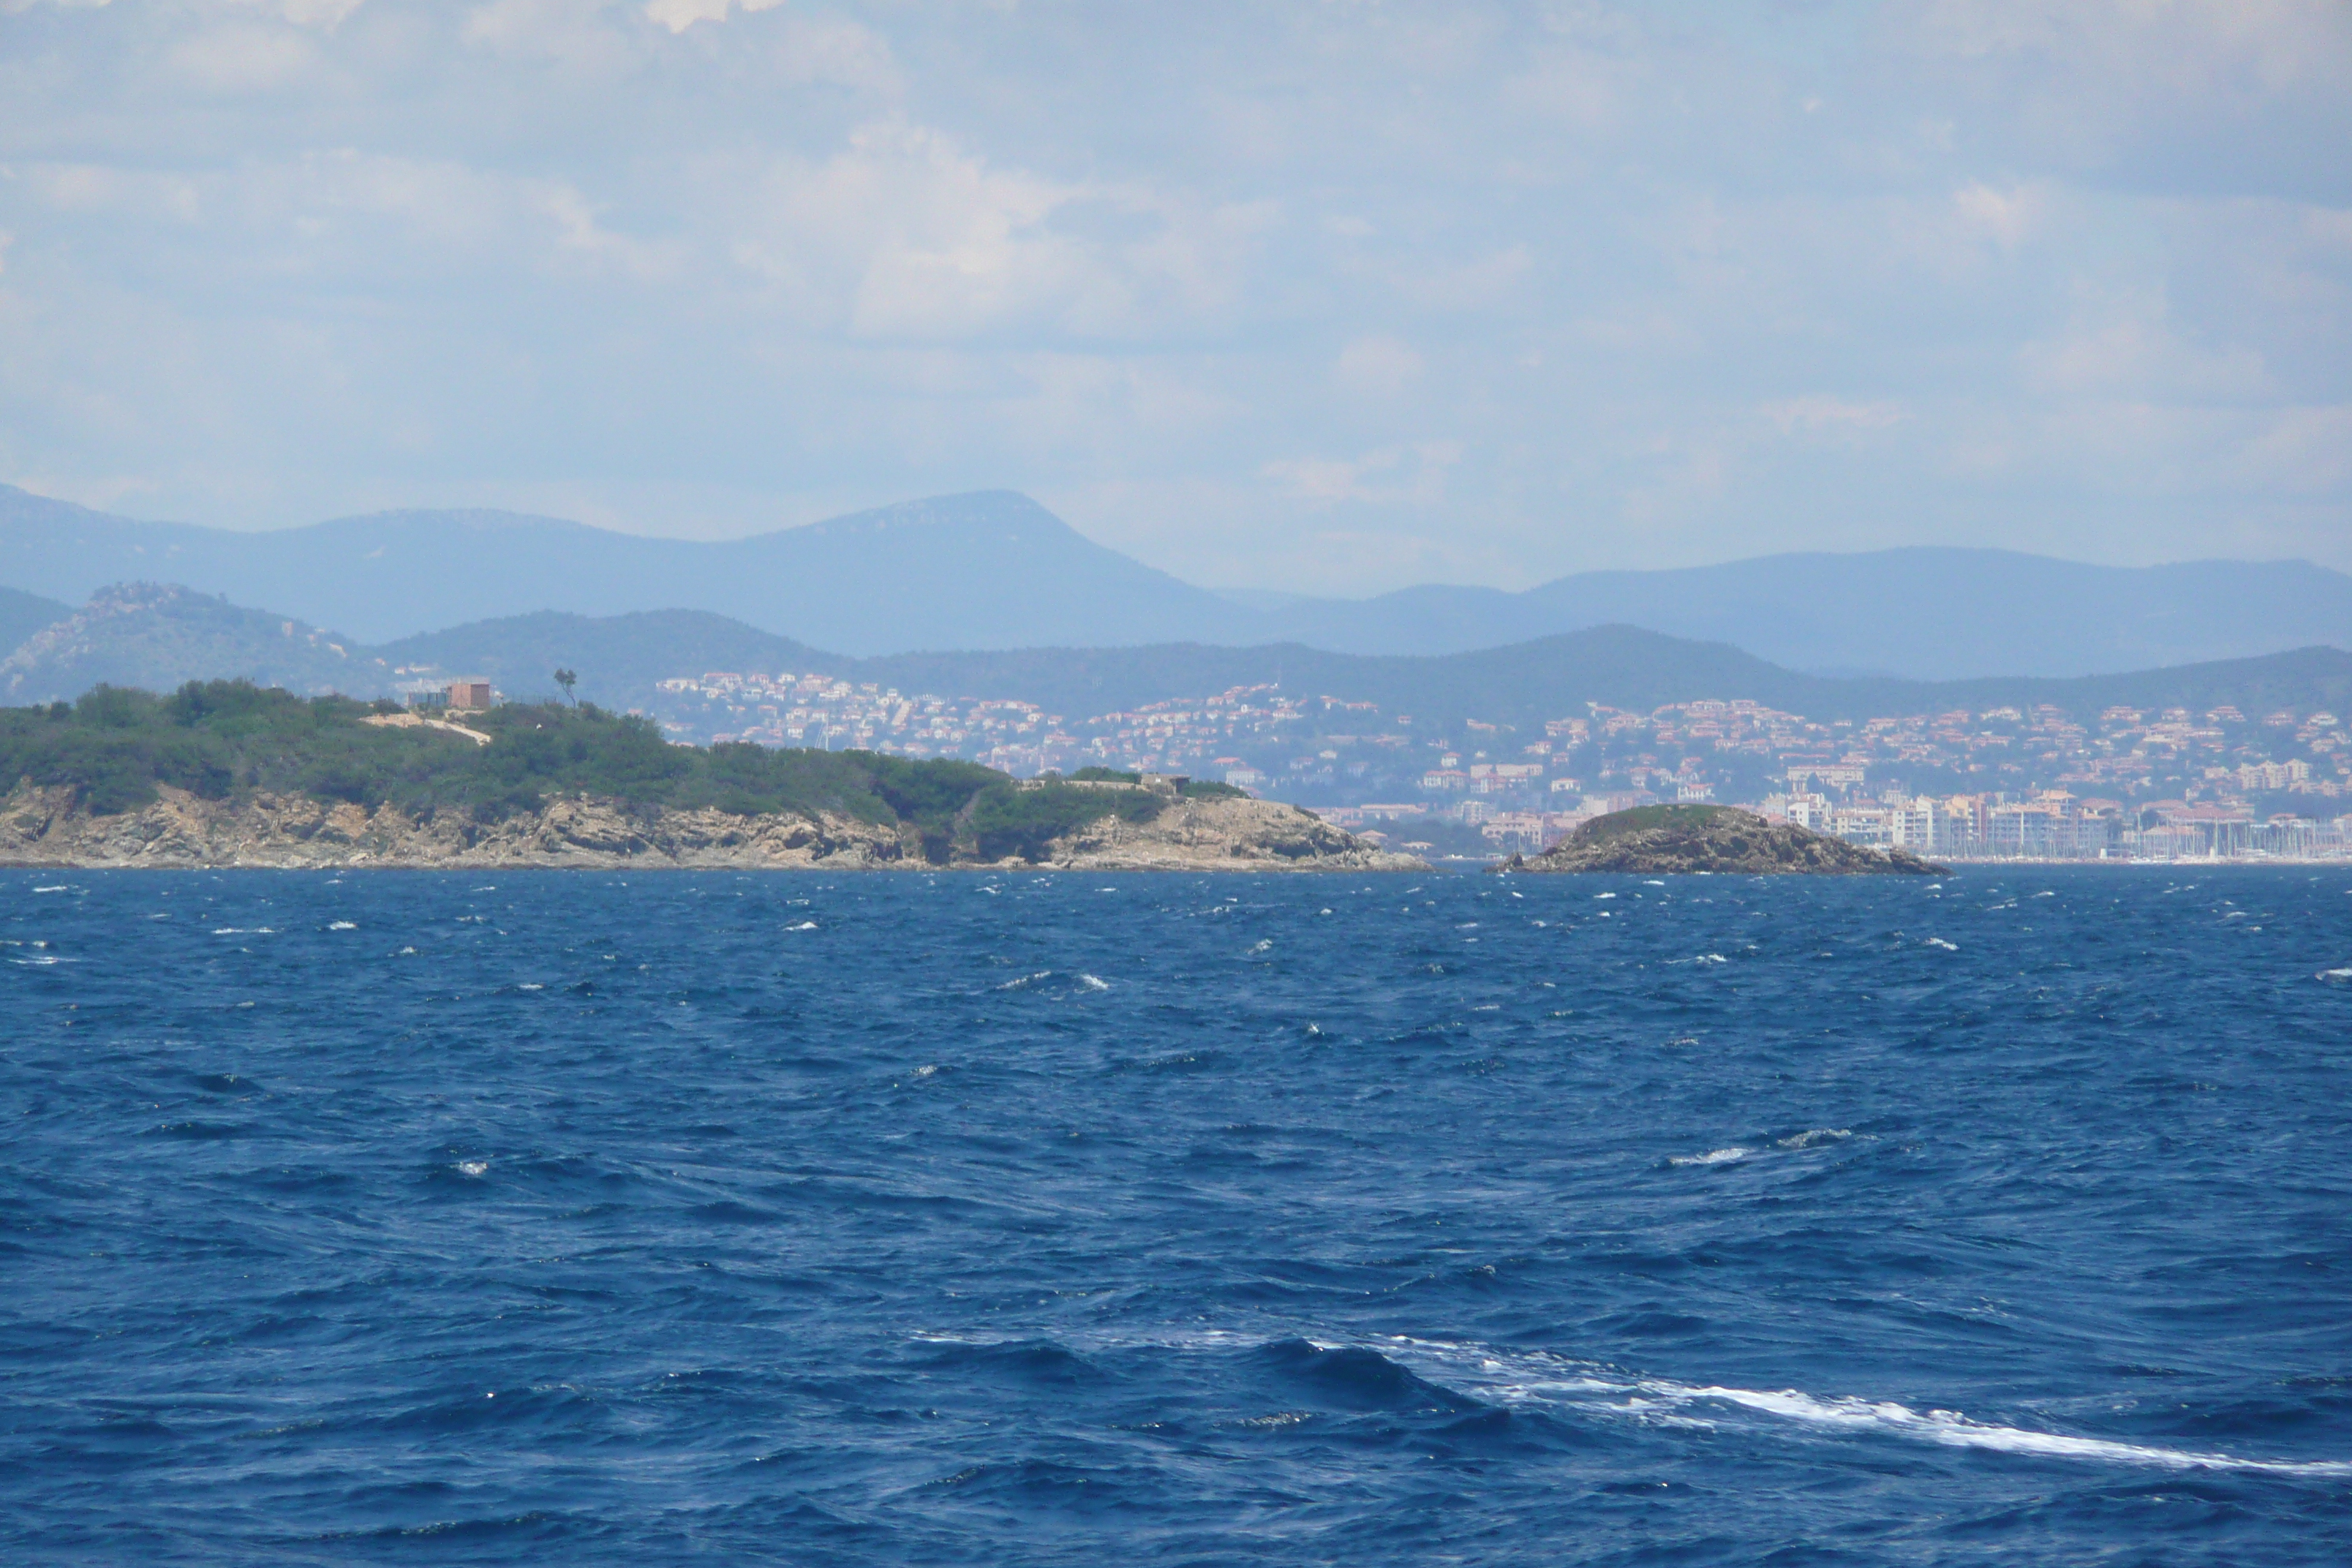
45, 827
1661, 838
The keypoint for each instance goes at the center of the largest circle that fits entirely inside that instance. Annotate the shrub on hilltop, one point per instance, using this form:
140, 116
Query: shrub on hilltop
1005, 819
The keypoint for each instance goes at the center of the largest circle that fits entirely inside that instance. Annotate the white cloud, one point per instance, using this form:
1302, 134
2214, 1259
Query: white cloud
579, 34
678, 16
904, 234
2005, 215
1390, 476
1821, 414
1701, 288
240, 57
2129, 346
1377, 366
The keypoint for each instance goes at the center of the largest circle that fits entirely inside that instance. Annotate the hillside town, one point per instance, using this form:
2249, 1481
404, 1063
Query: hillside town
2001, 784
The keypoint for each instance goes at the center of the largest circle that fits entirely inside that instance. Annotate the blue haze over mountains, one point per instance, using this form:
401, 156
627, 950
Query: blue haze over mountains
993, 570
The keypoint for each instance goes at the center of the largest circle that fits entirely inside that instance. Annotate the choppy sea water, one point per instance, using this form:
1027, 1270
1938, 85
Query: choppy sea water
407, 1217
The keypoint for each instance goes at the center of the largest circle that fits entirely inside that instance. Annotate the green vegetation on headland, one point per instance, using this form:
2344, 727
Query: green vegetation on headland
114, 749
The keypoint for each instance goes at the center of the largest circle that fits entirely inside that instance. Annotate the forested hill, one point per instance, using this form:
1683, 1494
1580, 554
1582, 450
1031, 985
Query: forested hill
114, 747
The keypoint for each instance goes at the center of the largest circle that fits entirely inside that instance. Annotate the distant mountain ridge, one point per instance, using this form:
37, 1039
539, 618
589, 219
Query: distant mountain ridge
987, 570
995, 571
157, 637
1916, 612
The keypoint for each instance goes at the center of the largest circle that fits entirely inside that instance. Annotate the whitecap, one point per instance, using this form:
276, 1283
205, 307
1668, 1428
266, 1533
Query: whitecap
1712, 1157
1939, 941
1025, 981
1710, 958
1265, 945
1818, 1135
1604, 895
343, 925
1093, 983
2335, 976
59, 887
530, 986
804, 925
476, 1168
1520, 1377
1954, 1430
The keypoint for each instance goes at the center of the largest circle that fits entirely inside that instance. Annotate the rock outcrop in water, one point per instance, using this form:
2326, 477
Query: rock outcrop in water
1659, 838
46, 828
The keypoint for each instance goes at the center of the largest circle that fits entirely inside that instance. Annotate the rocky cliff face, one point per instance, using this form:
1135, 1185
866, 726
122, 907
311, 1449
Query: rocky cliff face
1713, 839
44, 827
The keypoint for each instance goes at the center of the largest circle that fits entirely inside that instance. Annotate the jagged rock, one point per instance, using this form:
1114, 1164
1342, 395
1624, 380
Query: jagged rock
1660, 838
1224, 835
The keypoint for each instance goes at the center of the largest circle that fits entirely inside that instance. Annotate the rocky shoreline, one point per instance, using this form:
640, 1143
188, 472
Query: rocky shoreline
45, 827
1715, 838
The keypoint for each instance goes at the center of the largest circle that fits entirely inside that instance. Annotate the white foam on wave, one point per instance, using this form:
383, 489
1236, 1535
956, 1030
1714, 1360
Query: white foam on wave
2335, 976
1939, 941
1955, 1430
1712, 1157
804, 925
59, 887
1509, 1377
343, 925
1093, 982
1523, 1378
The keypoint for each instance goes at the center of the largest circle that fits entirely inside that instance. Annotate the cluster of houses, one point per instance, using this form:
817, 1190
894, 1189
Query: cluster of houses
2011, 781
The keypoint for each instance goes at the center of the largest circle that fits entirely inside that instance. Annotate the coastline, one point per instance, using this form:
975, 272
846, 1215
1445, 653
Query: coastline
43, 828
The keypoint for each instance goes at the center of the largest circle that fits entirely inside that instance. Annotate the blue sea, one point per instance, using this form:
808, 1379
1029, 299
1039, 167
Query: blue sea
595, 1218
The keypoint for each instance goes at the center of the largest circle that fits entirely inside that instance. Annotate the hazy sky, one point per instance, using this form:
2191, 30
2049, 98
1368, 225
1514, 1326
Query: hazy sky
1334, 295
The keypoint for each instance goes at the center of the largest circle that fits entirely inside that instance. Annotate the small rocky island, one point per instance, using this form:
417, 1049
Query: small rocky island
1659, 838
